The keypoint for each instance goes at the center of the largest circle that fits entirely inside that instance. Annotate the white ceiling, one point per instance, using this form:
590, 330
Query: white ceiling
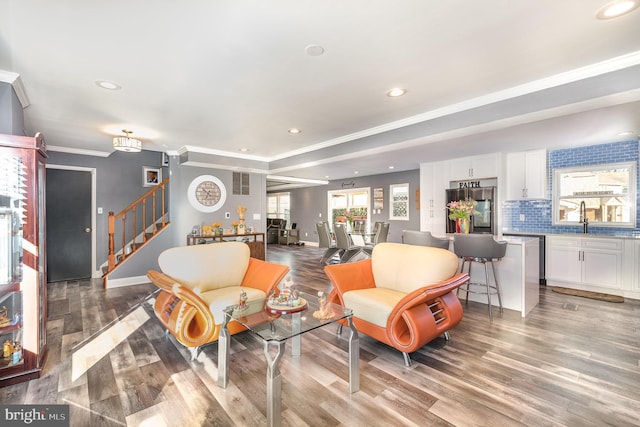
211, 77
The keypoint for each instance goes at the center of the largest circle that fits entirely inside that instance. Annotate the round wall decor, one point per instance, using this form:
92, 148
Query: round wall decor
207, 193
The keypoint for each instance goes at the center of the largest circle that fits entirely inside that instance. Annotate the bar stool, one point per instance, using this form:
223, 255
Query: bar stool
484, 249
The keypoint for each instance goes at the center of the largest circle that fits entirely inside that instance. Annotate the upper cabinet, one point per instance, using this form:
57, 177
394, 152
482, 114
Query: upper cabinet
433, 210
526, 175
476, 167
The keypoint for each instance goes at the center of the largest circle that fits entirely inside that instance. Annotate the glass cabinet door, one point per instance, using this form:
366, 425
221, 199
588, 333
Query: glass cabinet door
11, 329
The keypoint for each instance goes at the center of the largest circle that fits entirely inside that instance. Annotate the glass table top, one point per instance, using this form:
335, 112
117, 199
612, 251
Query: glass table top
274, 325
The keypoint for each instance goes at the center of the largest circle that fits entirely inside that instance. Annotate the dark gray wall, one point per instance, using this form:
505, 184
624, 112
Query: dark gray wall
11, 114
309, 204
118, 183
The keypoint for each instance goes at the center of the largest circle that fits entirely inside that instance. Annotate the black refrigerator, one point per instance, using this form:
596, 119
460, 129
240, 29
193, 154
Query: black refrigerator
483, 221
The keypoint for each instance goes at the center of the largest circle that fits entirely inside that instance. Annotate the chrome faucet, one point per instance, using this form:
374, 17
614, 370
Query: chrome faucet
583, 217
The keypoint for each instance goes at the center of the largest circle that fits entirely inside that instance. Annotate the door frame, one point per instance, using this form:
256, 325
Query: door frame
95, 274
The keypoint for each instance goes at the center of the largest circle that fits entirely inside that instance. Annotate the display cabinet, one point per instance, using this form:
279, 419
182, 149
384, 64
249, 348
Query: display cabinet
22, 258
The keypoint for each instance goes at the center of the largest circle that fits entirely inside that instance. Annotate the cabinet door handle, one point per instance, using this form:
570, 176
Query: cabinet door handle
470, 172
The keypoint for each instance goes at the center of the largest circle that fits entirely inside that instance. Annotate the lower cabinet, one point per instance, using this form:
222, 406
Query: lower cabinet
588, 261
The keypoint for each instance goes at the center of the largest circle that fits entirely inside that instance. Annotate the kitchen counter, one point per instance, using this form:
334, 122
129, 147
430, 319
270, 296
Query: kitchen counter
605, 263
616, 235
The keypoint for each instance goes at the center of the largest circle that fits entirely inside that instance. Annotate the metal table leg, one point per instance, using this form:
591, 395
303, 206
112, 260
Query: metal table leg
223, 354
354, 357
274, 383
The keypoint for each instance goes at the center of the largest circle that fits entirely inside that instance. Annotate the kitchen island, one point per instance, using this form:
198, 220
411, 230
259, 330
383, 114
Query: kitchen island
518, 275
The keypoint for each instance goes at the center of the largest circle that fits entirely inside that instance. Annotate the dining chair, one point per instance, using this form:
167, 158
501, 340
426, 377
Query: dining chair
345, 243
325, 241
359, 226
380, 235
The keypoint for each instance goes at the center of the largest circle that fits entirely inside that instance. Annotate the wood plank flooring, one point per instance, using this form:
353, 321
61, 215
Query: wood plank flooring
571, 362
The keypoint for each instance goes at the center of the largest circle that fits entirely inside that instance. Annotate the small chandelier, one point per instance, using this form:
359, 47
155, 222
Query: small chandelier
126, 143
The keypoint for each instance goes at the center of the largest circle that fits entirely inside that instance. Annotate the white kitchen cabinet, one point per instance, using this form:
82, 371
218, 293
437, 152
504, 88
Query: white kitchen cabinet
433, 185
526, 175
584, 262
476, 167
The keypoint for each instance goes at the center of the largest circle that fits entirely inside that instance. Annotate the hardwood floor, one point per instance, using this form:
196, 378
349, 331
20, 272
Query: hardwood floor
571, 362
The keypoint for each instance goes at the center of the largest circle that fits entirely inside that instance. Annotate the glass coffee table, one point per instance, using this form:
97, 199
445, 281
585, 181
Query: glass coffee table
275, 327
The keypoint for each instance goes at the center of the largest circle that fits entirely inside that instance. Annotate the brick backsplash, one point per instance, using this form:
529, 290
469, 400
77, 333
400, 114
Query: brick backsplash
538, 212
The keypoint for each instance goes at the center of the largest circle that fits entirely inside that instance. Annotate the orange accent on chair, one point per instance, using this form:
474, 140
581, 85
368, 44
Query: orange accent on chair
401, 296
198, 282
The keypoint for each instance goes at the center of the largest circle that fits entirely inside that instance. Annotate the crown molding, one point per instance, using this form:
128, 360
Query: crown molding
80, 151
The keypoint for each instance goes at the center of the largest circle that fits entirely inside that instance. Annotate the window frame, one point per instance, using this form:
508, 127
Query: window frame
281, 212
631, 194
393, 201
349, 195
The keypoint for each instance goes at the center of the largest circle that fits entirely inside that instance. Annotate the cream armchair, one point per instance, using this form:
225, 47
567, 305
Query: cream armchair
198, 282
401, 296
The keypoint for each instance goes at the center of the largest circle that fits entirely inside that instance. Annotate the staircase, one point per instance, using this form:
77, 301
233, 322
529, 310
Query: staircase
130, 229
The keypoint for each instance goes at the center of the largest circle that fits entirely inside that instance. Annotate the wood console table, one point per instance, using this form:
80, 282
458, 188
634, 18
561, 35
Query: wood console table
256, 247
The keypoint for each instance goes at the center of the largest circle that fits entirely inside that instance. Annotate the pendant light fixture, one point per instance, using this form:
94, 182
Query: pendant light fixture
126, 143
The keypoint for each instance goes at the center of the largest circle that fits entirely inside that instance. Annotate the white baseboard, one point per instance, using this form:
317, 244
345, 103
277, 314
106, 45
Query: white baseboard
126, 281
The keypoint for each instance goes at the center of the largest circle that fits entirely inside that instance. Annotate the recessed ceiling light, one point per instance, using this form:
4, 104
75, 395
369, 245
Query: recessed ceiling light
106, 84
395, 92
392, 167
617, 8
314, 50
294, 131
356, 172
326, 177
244, 150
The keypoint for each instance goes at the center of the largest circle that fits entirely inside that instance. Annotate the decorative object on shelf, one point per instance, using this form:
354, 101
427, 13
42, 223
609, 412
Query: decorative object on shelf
8, 349
235, 224
126, 143
241, 210
461, 211
217, 228
240, 229
207, 230
151, 176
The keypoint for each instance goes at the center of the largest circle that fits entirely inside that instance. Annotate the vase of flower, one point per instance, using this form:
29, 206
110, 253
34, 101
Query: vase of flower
461, 211
462, 225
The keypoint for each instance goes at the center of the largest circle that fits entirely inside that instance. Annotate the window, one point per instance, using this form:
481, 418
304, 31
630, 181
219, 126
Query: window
399, 201
279, 206
608, 192
354, 201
